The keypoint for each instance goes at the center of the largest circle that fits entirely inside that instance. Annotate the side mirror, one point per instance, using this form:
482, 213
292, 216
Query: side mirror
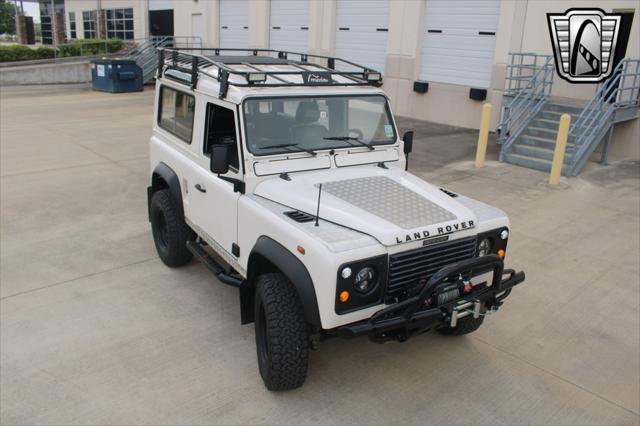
219, 159
408, 142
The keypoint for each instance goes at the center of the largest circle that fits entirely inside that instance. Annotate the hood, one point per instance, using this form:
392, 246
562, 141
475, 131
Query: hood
390, 205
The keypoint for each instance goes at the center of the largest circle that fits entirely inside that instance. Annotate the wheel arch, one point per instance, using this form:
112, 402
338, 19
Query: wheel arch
164, 177
268, 255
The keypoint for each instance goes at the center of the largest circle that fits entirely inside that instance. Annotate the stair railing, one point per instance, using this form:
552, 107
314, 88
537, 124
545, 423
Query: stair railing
527, 102
621, 90
146, 52
521, 69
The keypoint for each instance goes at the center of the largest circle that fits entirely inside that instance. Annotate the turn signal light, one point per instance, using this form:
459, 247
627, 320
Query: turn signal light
344, 296
301, 250
501, 253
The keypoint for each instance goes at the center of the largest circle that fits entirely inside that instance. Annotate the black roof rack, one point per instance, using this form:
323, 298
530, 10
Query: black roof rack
196, 61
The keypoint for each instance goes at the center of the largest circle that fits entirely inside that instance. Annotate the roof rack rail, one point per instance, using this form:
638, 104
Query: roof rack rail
195, 61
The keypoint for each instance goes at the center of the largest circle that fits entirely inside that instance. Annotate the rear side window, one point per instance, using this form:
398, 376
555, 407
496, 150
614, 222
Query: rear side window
176, 112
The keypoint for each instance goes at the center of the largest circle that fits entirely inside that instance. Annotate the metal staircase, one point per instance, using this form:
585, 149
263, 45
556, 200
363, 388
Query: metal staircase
146, 53
616, 100
530, 116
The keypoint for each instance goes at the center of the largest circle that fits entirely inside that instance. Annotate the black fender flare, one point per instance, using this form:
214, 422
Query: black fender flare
289, 265
162, 172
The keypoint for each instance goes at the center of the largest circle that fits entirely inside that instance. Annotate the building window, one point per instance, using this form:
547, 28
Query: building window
47, 10
176, 112
72, 25
120, 23
89, 24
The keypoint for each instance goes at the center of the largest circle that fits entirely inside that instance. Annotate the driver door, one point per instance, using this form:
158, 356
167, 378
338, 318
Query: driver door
213, 202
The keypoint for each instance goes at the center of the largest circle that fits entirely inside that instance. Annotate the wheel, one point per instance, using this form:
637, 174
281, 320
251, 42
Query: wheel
465, 325
170, 232
282, 335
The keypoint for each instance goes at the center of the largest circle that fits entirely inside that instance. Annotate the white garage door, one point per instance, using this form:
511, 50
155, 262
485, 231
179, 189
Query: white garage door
459, 37
362, 27
234, 23
289, 25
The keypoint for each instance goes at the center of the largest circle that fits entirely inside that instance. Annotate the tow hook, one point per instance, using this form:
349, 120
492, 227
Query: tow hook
462, 310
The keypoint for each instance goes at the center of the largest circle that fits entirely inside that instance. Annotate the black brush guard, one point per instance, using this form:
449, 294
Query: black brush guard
413, 316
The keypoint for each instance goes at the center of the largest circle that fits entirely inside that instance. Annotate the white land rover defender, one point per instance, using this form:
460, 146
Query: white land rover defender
287, 178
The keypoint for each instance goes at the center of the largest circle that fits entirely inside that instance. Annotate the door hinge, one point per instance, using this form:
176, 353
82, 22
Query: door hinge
235, 250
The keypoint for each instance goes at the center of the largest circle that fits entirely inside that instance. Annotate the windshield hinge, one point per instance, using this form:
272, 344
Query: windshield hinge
223, 77
238, 185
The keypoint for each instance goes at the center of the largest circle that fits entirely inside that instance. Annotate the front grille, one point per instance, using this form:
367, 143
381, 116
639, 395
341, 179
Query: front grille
409, 268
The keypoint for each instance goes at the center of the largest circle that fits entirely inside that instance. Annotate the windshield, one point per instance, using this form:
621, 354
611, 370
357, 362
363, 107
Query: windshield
308, 124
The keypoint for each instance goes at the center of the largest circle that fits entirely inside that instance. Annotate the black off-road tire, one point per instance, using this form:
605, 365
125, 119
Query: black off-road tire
282, 335
465, 325
170, 232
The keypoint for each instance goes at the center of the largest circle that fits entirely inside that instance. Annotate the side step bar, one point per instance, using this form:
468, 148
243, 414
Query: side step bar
199, 253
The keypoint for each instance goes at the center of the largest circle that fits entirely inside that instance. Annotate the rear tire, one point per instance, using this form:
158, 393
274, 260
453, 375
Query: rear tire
282, 335
170, 232
465, 325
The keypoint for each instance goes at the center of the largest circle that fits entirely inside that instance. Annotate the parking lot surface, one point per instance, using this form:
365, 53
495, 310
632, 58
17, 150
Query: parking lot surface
96, 330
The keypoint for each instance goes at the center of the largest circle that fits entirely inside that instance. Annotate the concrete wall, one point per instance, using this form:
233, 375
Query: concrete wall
70, 72
322, 27
183, 20
259, 15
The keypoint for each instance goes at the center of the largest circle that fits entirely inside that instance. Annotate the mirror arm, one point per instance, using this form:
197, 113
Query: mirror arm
238, 185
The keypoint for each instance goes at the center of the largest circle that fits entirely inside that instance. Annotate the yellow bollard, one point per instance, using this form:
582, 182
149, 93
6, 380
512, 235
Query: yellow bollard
483, 136
561, 146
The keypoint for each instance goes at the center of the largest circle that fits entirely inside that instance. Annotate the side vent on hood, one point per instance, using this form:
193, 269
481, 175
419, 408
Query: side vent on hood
449, 193
301, 217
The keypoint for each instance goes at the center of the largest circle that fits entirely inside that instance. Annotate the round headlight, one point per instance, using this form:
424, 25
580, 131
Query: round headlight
365, 280
504, 234
346, 273
484, 247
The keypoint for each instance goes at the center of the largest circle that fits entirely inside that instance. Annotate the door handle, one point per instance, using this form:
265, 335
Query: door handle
200, 188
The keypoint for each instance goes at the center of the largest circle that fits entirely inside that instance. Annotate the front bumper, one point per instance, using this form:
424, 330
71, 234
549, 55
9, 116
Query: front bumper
417, 314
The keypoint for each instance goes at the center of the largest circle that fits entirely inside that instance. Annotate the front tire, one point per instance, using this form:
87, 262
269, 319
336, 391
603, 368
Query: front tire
170, 232
282, 335
465, 325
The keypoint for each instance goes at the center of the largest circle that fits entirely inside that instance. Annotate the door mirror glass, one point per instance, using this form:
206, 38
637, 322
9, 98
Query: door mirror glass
408, 142
220, 158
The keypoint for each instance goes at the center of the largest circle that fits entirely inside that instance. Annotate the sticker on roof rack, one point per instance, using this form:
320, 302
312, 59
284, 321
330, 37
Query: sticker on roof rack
317, 78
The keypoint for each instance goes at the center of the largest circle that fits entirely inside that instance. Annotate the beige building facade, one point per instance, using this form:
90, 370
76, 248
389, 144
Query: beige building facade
413, 41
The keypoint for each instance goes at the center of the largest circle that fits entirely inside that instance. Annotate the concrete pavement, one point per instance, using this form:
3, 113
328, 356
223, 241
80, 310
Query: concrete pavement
94, 329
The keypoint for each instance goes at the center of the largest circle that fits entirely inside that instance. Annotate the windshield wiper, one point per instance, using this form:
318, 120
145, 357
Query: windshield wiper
349, 139
289, 145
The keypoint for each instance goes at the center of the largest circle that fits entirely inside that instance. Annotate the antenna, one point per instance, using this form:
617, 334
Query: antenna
318, 210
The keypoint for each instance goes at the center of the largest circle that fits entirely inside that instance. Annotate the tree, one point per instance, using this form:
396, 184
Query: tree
7, 17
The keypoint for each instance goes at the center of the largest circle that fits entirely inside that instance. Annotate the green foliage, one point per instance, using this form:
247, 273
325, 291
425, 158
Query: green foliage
44, 52
89, 47
7, 18
19, 52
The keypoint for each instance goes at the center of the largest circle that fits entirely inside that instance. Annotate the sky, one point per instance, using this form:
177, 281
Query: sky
30, 9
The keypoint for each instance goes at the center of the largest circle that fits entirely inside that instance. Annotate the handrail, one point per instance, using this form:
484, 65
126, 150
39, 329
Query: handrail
521, 68
145, 53
526, 104
621, 90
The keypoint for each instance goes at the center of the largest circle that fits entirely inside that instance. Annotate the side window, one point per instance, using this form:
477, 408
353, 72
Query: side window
221, 129
176, 112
